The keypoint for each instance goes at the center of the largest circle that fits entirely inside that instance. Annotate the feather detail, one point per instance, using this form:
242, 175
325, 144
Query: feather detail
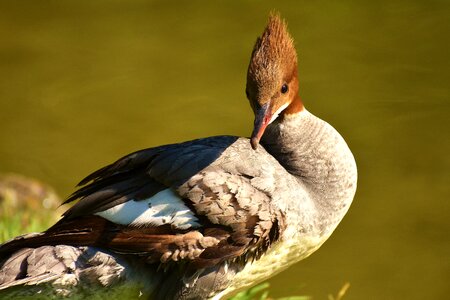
165, 207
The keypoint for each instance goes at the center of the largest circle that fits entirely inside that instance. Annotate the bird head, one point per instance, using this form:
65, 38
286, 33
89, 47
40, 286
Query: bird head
272, 79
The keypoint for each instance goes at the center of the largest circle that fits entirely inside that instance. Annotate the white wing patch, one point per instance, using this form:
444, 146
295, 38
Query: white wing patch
165, 207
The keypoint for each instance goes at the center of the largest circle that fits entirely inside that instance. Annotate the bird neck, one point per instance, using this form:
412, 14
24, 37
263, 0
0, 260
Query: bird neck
315, 153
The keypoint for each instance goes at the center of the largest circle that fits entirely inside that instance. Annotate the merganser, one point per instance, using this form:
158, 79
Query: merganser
205, 218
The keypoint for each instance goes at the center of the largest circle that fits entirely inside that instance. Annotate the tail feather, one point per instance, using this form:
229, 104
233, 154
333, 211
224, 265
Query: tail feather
59, 270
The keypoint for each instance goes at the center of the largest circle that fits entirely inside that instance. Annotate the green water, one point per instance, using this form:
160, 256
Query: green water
84, 82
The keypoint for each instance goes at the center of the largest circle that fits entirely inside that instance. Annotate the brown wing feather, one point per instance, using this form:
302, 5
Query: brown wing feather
238, 221
231, 201
158, 244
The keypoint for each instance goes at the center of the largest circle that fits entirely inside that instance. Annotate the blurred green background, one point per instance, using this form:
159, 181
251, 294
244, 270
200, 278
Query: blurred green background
85, 82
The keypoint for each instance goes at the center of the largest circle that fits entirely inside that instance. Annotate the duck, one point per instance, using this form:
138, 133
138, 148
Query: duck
205, 218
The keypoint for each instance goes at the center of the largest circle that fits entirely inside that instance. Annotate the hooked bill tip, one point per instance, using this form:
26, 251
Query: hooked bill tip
254, 141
